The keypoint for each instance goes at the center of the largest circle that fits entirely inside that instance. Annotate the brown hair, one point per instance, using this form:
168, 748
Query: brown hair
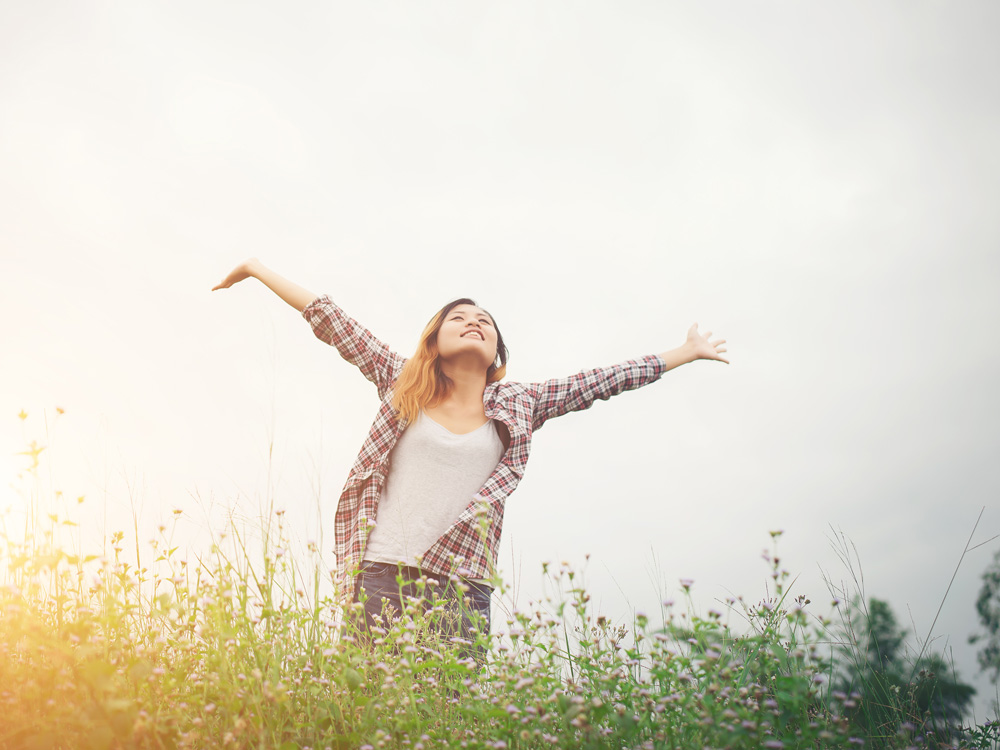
422, 383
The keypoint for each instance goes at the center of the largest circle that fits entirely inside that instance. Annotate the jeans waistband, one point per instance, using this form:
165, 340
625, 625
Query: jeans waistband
410, 573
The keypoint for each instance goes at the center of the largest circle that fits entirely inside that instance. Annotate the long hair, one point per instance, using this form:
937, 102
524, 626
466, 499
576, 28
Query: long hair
422, 383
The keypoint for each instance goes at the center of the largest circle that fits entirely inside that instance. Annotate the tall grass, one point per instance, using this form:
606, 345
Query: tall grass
238, 649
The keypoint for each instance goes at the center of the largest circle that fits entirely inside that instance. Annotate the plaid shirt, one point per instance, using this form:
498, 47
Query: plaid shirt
469, 547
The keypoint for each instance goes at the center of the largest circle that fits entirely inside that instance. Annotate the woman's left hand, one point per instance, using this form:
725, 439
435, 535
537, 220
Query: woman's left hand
703, 348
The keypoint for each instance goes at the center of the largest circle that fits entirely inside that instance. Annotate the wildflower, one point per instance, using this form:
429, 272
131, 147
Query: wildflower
687, 583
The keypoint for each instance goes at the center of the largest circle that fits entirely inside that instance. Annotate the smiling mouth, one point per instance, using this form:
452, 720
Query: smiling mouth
475, 333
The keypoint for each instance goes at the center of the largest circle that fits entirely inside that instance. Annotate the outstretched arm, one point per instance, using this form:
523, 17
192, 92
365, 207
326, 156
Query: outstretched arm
289, 291
330, 324
554, 398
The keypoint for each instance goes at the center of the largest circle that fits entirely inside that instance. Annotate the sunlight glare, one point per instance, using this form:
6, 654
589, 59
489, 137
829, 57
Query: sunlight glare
10, 498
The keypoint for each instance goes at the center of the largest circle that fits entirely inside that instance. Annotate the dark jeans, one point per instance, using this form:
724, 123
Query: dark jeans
467, 613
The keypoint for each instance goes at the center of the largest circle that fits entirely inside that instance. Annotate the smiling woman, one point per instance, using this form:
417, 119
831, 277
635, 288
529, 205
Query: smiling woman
426, 494
459, 332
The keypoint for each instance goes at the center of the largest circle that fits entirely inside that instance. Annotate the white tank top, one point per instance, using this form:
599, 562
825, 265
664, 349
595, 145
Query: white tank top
433, 476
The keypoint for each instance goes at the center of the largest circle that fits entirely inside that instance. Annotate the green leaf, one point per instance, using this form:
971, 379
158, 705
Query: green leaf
353, 678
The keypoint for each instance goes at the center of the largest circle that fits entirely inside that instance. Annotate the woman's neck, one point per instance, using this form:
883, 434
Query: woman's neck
467, 384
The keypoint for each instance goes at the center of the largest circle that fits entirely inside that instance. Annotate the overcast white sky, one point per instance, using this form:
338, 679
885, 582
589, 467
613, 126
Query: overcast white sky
816, 183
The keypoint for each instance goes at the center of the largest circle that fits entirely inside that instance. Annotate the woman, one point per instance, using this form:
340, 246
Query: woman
449, 443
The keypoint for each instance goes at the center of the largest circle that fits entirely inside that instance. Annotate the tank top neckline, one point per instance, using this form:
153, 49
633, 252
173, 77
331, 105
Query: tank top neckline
456, 434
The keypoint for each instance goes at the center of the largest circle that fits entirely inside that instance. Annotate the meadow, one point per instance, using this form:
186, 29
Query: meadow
137, 646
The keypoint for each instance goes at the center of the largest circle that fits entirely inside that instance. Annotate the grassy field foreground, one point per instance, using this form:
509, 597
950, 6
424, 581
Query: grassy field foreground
240, 650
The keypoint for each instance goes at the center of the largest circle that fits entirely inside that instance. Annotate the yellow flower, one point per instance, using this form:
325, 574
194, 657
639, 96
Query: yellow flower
35, 449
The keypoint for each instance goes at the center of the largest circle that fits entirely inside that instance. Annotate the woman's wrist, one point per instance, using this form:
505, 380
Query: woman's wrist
680, 356
253, 267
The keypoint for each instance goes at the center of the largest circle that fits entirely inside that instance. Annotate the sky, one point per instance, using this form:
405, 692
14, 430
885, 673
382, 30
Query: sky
815, 183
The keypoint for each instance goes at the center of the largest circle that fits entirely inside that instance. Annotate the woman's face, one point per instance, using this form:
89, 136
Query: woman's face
468, 332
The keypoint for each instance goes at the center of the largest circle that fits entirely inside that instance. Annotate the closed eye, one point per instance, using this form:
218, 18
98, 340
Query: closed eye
481, 320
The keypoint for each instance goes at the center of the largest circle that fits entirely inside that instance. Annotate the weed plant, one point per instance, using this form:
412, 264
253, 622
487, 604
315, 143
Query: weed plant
243, 651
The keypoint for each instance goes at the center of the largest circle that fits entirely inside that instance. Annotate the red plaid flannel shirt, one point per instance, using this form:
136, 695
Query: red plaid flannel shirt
469, 547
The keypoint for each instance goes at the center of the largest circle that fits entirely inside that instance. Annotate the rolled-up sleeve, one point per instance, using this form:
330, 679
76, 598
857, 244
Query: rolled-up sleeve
553, 398
355, 343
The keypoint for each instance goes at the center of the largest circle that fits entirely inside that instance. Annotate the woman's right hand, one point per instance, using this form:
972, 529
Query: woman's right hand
243, 271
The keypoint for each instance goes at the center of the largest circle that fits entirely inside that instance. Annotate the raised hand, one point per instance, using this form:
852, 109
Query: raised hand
243, 271
295, 295
703, 348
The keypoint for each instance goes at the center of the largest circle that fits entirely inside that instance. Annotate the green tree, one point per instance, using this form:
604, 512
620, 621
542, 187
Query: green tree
883, 682
988, 608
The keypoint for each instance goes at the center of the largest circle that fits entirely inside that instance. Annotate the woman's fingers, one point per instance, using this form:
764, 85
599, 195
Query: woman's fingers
706, 348
236, 275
